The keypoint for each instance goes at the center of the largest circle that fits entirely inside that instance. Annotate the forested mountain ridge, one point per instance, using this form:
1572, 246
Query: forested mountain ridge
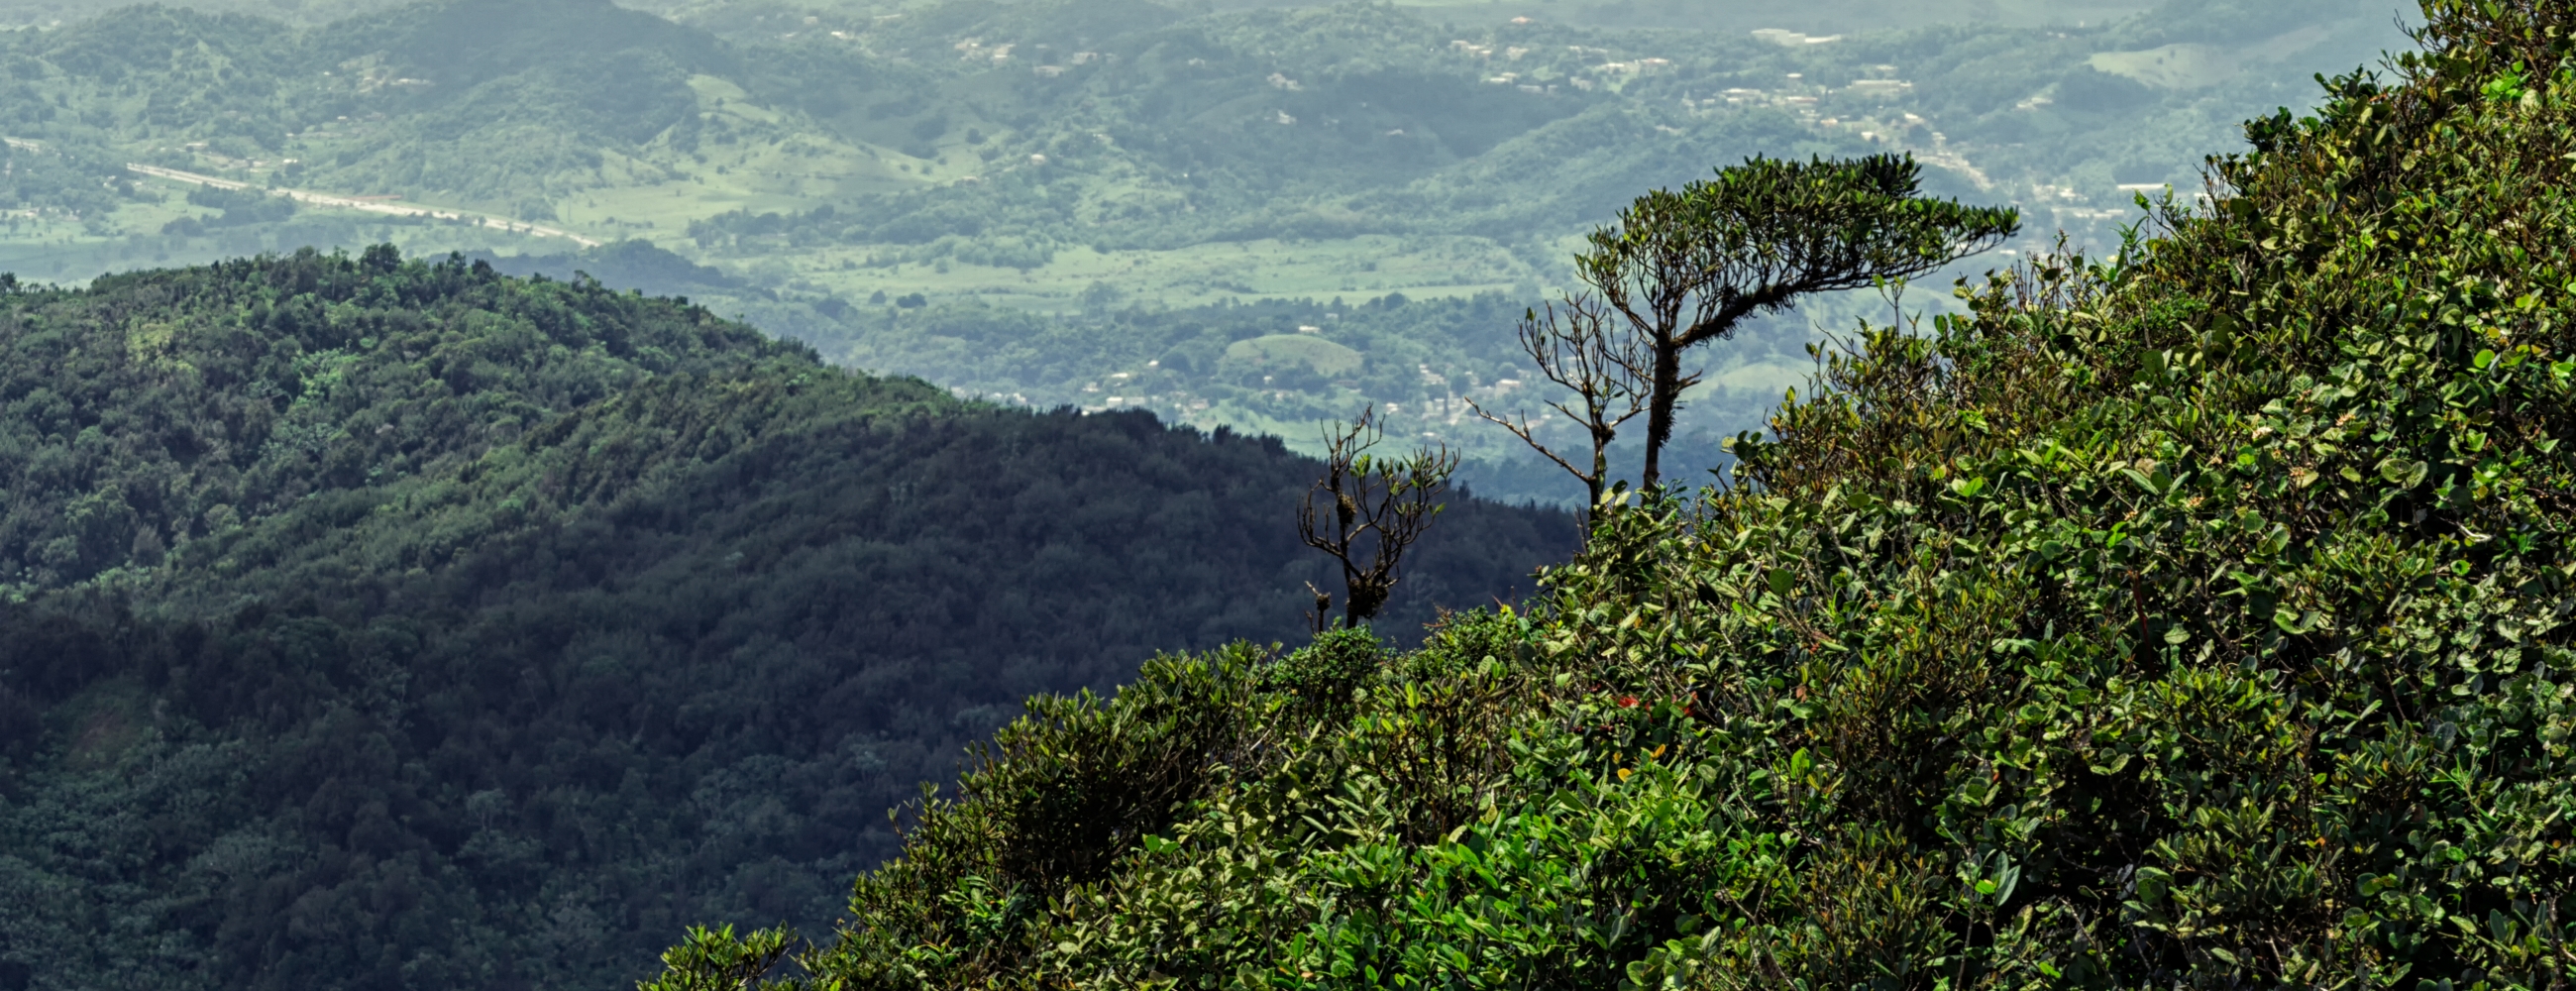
397, 623
2195, 616
162, 406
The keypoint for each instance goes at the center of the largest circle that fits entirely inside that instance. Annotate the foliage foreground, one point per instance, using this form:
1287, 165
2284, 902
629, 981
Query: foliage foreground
2195, 618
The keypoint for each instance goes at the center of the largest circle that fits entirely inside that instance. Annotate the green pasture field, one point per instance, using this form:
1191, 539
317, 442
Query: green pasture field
660, 209
1325, 357
1419, 267
54, 248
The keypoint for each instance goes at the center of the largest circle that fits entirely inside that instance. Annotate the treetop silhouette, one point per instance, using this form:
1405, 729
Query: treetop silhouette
1687, 267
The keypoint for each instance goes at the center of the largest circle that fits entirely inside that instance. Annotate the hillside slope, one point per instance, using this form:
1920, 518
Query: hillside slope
2191, 618
388, 623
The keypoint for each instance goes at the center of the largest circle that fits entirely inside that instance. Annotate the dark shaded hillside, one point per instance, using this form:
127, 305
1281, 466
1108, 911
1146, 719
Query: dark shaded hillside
593, 615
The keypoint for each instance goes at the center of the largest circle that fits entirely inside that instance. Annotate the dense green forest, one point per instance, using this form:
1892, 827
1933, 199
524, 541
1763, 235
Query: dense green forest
376, 622
1022, 163
2191, 616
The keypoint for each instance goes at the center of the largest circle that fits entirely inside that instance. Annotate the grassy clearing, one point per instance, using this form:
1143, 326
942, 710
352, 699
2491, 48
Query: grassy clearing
62, 250
660, 209
2189, 66
753, 158
1420, 267
1325, 357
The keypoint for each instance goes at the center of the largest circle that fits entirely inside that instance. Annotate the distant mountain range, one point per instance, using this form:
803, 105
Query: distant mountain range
1064, 157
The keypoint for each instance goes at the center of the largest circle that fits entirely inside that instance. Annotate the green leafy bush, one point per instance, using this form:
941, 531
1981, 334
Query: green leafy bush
1324, 674
2194, 617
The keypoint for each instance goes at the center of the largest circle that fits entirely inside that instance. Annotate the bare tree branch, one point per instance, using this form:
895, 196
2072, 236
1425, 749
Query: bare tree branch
1579, 344
1379, 508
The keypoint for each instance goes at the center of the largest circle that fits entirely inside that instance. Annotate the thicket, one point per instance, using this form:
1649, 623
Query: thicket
397, 623
2194, 616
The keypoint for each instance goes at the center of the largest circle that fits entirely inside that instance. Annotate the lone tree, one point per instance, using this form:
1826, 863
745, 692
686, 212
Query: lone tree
1685, 268
1580, 344
1376, 509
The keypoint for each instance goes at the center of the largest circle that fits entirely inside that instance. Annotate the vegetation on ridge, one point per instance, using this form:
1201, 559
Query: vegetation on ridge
1686, 269
2191, 617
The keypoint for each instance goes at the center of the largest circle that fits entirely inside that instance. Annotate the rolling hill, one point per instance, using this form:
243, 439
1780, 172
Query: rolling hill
397, 623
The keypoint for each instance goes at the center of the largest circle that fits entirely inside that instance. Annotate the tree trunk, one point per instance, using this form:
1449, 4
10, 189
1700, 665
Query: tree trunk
1659, 414
1600, 470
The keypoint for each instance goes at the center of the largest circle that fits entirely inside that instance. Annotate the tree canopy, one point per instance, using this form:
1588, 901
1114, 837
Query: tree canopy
1687, 267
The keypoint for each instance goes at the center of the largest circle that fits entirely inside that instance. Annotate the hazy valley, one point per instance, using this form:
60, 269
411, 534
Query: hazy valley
897, 183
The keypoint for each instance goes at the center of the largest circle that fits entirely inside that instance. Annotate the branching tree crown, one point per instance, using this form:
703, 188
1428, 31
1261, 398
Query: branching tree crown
1582, 346
1685, 268
1375, 508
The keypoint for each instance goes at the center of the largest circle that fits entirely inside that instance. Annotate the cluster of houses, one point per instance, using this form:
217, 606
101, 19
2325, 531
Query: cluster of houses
1793, 39
1802, 99
975, 50
1516, 53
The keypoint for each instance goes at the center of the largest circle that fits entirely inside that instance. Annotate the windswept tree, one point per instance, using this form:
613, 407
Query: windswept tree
1374, 509
1581, 345
1686, 268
